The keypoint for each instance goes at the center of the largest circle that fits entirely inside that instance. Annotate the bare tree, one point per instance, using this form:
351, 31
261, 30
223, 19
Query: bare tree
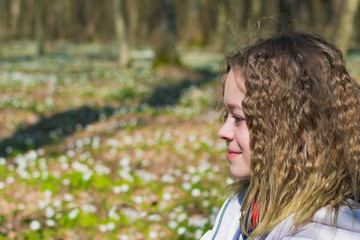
345, 27
286, 15
194, 33
165, 51
133, 21
120, 32
15, 15
39, 26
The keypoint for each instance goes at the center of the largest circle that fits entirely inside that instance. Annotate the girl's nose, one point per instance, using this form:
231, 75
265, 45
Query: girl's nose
225, 132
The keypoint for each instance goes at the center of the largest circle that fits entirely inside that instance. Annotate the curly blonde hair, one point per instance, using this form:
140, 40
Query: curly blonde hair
303, 113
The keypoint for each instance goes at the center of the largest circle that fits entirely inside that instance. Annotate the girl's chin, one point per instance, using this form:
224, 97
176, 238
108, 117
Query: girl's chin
240, 176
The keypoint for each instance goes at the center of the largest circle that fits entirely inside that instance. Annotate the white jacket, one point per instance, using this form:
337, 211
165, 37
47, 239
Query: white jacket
227, 225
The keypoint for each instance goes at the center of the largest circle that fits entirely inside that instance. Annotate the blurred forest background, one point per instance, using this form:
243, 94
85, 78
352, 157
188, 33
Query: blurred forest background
109, 109
165, 24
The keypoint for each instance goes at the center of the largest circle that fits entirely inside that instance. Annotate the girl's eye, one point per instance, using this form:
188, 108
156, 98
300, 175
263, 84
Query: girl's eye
238, 119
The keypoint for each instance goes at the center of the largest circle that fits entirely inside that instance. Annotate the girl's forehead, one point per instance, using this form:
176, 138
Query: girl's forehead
235, 79
233, 92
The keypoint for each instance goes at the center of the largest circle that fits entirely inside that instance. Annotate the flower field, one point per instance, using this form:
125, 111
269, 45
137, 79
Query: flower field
90, 151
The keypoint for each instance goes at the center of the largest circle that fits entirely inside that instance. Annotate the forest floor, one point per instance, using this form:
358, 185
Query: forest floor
91, 151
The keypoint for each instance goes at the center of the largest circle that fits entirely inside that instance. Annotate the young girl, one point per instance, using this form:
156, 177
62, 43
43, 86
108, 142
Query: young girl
292, 128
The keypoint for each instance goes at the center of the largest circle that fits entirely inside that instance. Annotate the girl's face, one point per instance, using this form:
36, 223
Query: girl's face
235, 131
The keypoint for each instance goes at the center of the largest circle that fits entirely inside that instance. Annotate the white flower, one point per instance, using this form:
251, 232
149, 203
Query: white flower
101, 169
124, 237
43, 204
186, 177
87, 175
214, 192
48, 193
146, 176
117, 189
191, 138
138, 199
64, 166
49, 212
206, 203
181, 230
173, 224
198, 233
128, 140
166, 196
103, 228
198, 221
111, 226
68, 197
2, 161
177, 172
125, 161
181, 217
229, 181
172, 215
35, 225
36, 174
45, 175
113, 214
70, 153
191, 169
73, 214
195, 179
21, 206
50, 222
80, 167
130, 213
216, 168
62, 159
125, 187
167, 178
154, 217
88, 208
124, 173
113, 143
153, 234
66, 182
195, 192
2, 185
57, 203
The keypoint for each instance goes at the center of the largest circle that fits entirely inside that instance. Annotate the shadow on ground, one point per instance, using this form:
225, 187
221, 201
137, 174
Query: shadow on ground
50, 130
168, 95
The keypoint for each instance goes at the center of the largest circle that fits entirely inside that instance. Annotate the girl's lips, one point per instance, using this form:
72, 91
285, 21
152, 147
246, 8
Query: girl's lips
231, 155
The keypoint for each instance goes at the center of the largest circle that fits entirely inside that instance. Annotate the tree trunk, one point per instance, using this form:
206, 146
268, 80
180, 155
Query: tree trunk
220, 31
166, 53
39, 26
120, 32
194, 32
15, 15
59, 25
345, 27
133, 21
285, 21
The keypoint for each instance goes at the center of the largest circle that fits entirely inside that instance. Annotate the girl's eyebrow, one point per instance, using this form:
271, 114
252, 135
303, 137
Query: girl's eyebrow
232, 106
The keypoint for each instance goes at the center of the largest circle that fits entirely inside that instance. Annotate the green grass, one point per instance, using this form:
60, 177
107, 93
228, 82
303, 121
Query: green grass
91, 151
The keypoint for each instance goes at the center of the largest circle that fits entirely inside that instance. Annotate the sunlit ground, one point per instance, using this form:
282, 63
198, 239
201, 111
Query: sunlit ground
90, 151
